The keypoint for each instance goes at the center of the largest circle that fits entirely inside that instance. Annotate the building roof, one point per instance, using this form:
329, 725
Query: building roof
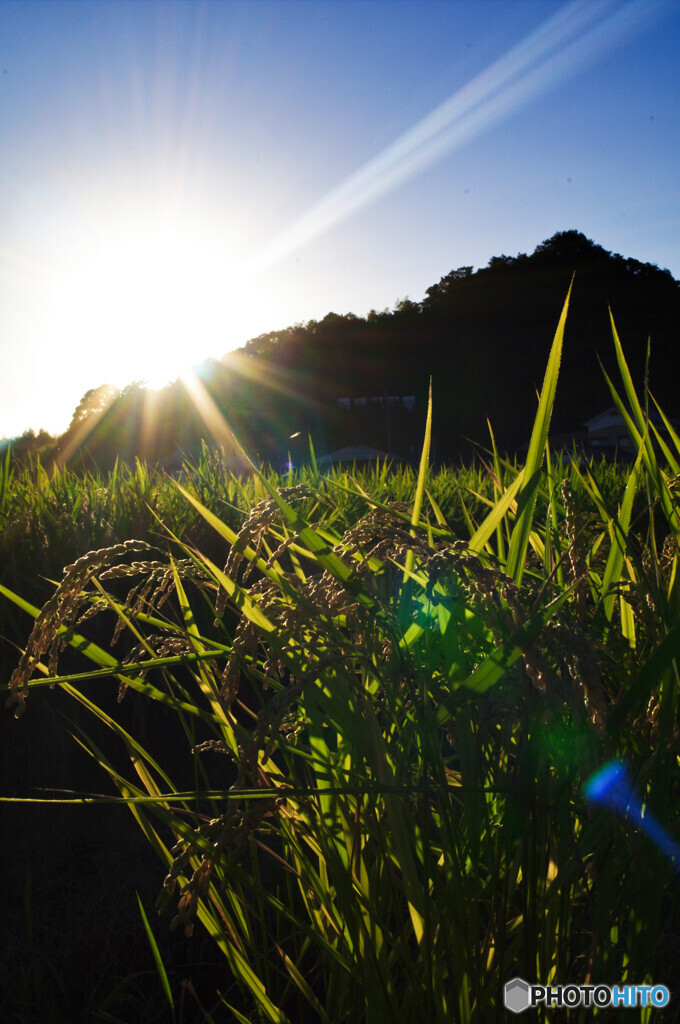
612, 416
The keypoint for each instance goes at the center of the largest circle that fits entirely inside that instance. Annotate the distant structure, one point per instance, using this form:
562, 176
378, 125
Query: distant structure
607, 430
354, 453
605, 435
379, 401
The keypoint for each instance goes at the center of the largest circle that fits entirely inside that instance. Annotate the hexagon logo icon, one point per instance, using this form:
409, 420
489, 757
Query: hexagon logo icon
516, 995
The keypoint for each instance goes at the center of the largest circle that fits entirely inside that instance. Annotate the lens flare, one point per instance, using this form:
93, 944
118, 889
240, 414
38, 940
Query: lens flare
612, 787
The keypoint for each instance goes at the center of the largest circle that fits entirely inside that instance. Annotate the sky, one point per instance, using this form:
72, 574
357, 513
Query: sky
179, 177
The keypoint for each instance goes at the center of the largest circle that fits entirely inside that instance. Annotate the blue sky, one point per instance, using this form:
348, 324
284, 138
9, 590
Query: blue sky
176, 178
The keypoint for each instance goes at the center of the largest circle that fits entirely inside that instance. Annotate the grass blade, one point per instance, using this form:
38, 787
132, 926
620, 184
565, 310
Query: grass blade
158, 960
526, 501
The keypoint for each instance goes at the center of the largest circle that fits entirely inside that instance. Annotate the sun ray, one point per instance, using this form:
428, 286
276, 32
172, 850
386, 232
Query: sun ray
283, 381
216, 423
573, 37
75, 437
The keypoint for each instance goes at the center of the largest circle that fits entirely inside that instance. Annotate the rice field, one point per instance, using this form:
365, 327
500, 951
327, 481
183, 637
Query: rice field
353, 715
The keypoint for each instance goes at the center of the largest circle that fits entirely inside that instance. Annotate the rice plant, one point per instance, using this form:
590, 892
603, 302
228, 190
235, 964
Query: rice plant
388, 712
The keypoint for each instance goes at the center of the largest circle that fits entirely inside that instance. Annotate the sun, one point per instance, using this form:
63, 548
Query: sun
145, 296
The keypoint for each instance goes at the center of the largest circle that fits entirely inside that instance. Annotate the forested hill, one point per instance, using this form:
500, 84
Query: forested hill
483, 336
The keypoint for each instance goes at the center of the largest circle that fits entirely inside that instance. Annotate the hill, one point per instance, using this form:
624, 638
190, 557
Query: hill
483, 336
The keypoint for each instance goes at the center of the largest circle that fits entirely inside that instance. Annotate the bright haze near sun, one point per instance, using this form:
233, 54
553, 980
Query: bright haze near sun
176, 178
151, 287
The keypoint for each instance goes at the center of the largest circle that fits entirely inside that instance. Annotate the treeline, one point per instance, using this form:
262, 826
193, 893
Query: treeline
482, 336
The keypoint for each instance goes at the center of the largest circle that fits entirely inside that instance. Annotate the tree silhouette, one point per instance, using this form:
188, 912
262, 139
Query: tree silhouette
93, 403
